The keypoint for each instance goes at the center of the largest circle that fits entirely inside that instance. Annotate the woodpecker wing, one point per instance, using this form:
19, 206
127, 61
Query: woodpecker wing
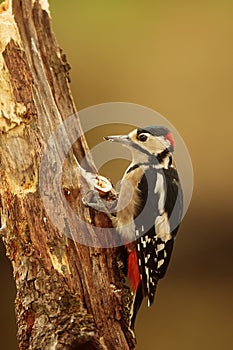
162, 211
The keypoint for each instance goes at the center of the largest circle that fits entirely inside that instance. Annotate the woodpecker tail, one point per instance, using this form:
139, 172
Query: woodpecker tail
138, 297
133, 275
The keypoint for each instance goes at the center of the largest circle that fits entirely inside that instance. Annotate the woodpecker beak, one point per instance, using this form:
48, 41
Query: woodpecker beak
123, 139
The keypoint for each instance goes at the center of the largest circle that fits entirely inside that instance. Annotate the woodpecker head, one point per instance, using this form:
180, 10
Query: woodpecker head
148, 143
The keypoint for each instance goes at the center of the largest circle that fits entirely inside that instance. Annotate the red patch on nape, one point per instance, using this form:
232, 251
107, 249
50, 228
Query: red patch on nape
133, 272
169, 137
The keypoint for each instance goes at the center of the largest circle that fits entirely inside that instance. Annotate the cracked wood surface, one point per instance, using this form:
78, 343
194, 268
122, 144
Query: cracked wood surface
69, 296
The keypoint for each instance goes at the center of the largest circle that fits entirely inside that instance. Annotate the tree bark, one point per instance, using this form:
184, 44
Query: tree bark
69, 296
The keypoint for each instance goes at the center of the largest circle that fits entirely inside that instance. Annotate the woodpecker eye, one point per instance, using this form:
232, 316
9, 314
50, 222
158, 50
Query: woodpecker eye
142, 137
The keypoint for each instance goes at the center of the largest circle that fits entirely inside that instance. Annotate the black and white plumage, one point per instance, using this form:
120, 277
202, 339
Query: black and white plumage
149, 209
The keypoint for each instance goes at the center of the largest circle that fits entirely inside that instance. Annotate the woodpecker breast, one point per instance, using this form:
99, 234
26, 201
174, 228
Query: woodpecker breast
129, 203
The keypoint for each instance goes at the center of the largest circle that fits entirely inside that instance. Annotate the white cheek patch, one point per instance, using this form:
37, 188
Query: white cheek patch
164, 141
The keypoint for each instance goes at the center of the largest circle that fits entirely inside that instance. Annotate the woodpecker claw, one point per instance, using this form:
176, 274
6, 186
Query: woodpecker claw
96, 203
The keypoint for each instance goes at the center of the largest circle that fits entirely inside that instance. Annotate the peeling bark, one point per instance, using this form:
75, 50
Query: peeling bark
69, 296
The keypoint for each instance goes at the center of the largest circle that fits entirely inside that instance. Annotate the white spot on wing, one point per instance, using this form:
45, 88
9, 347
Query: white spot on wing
160, 247
147, 278
143, 243
160, 263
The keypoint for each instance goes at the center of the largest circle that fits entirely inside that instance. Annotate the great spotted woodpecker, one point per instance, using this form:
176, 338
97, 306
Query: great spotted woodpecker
149, 209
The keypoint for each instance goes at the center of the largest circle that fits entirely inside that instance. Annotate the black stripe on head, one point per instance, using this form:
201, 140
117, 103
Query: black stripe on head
153, 130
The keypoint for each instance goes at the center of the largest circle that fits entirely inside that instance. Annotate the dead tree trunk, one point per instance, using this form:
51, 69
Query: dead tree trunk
68, 294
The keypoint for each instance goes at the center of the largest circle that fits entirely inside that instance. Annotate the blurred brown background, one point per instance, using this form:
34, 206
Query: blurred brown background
175, 57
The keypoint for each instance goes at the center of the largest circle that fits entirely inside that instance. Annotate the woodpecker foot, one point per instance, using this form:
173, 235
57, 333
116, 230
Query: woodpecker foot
93, 200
